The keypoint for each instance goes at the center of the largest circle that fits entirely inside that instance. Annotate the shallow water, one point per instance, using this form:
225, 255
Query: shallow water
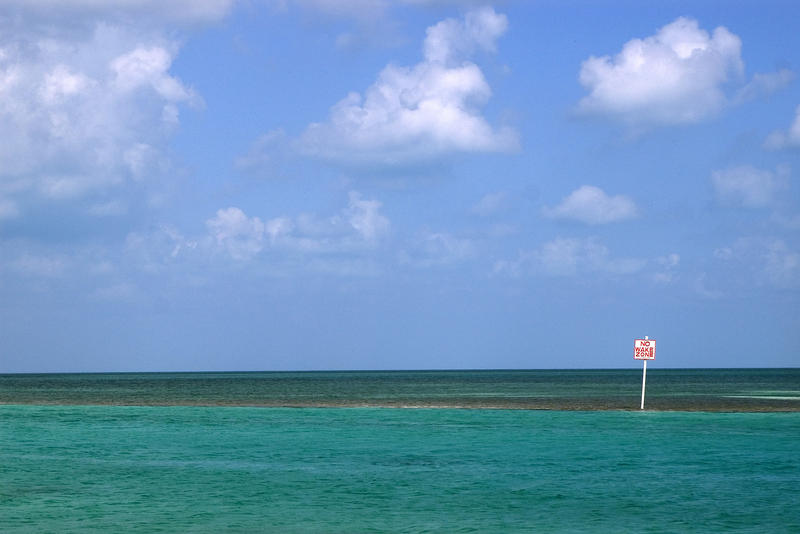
224, 452
236, 469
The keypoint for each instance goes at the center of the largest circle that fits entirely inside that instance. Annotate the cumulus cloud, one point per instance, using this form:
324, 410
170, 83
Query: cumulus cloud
365, 218
673, 77
419, 113
241, 236
591, 205
452, 40
146, 67
748, 186
789, 138
356, 228
82, 114
569, 257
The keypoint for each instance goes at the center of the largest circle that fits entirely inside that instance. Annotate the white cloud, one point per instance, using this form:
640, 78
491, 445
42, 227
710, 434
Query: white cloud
142, 159
785, 138
675, 76
84, 113
748, 186
356, 229
241, 236
364, 217
419, 113
764, 84
146, 67
87, 99
569, 257
452, 40
61, 84
278, 227
591, 205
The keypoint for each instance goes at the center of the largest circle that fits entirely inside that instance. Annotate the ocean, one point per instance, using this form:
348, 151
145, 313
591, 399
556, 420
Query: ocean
449, 451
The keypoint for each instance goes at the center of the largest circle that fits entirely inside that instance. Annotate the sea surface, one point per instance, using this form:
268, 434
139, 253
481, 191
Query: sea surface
598, 389
716, 451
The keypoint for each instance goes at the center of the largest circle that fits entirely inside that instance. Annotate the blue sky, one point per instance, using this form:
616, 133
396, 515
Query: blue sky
365, 184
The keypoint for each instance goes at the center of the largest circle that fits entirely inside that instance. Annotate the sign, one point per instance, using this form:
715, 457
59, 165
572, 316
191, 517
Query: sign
644, 349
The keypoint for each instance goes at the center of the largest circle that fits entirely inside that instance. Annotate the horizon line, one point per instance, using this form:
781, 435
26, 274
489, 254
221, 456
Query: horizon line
430, 370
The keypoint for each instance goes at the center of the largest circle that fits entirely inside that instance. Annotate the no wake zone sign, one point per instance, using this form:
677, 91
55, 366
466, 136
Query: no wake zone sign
644, 349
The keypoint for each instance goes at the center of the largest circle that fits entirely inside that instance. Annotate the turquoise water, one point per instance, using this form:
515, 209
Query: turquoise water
537, 451
229, 469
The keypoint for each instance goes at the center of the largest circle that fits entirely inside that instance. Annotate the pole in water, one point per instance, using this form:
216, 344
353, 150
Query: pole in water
644, 378
644, 349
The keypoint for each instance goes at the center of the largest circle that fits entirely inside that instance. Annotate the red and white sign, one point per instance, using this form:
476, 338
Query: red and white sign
644, 349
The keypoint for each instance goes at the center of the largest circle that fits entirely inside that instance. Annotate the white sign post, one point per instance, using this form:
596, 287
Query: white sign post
644, 349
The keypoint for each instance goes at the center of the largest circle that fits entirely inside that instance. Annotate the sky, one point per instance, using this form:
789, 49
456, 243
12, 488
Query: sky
414, 184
